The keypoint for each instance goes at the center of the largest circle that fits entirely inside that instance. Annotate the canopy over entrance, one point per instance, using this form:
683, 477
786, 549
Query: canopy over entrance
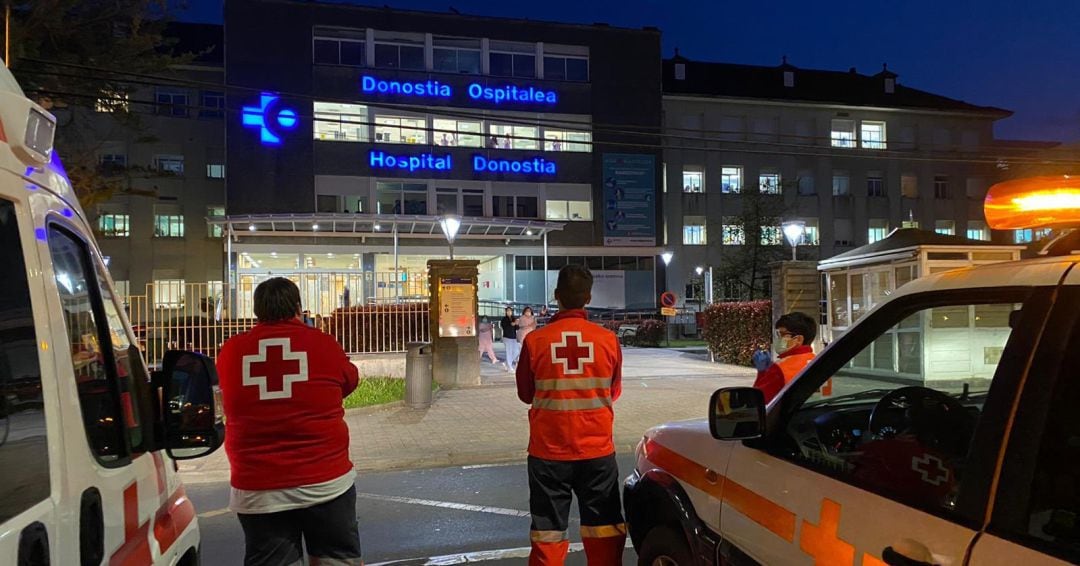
381, 226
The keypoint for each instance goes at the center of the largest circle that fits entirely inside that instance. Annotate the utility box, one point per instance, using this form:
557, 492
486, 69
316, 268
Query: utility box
453, 305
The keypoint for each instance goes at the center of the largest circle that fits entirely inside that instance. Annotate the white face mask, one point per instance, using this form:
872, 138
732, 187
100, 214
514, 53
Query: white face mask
781, 344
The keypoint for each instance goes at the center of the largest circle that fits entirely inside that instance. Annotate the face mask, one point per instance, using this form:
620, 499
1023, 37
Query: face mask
781, 344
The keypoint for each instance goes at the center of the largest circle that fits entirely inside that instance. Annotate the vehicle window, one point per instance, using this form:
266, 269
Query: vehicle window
24, 452
98, 392
899, 415
124, 356
1054, 504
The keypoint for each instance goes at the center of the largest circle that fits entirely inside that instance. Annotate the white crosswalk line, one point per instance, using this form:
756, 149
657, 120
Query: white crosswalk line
444, 504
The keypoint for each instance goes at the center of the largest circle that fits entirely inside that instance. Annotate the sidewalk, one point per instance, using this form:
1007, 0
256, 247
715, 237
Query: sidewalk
488, 424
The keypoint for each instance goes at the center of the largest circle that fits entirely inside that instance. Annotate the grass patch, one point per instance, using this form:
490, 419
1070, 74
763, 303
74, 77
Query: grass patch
684, 343
378, 391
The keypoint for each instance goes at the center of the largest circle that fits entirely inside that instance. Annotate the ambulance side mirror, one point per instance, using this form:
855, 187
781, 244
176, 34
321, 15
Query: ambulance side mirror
737, 413
193, 414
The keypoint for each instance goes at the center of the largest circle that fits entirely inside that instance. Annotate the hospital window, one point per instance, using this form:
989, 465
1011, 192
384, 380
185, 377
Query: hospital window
514, 207
566, 63
573, 210
506, 136
731, 180
843, 133
402, 198
114, 225
456, 55
945, 227
875, 185
873, 135
215, 230
168, 222
398, 50
811, 233
977, 230
732, 232
567, 140
512, 59
459, 202
769, 183
841, 184
400, 129
877, 231
694, 231
450, 132
341, 122
335, 46
693, 179
168, 293
771, 236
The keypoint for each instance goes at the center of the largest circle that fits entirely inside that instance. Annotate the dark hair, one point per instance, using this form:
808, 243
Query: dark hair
527, 309
276, 299
799, 324
574, 287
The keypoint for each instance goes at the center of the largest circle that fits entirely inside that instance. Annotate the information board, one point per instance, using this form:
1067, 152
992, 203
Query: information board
457, 307
629, 199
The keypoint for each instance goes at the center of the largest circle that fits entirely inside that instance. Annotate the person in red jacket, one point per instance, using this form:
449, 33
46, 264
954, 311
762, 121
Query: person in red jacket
282, 385
571, 374
794, 333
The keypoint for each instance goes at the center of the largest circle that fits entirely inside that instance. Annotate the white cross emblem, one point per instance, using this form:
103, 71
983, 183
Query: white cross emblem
923, 466
574, 353
287, 379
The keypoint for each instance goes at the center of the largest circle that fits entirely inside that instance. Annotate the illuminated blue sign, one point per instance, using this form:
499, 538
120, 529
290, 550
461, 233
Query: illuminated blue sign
507, 93
379, 159
270, 117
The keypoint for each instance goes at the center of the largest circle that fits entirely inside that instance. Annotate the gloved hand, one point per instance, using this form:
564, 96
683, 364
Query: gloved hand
762, 360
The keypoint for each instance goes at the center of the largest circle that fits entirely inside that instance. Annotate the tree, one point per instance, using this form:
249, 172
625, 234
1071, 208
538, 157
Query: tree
743, 272
78, 58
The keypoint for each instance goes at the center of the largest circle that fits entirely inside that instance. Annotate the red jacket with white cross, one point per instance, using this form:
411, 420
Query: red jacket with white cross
282, 385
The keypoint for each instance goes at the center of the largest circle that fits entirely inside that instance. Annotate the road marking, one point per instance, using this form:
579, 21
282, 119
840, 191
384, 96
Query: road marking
482, 466
479, 556
445, 504
214, 513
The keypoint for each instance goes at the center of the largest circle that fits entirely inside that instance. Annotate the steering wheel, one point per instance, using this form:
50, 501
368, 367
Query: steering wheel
940, 419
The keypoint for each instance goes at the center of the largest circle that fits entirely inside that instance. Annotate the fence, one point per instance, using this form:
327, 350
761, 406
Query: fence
194, 316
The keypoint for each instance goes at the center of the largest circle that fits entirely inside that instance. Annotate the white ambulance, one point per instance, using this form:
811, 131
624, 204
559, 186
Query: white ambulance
88, 437
949, 433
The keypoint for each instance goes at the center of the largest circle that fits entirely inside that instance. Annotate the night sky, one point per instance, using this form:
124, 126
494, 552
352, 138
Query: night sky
1019, 55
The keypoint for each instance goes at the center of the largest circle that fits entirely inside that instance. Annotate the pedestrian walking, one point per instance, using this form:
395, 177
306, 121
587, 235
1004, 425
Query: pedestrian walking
525, 324
486, 337
795, 332
508, 325
571, 374
282, 384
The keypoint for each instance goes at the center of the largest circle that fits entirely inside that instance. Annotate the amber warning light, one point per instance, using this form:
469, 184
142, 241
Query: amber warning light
1036, 202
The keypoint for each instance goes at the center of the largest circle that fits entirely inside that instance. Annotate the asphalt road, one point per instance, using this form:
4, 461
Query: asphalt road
416, 516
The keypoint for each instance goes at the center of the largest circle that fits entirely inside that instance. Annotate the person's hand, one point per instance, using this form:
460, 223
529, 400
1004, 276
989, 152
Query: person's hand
762, 360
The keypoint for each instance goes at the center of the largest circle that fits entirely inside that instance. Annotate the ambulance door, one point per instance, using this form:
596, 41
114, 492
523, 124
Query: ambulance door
1036, 509
31, 458
894, 461
117, 481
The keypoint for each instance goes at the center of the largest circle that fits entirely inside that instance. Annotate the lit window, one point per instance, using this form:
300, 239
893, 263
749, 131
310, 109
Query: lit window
811, 233
873, 135
769, 183
731, 180
875, 185
977, 230
400, 129
693, 181
335, 46
1025, 236
507, 136
909, 186
566, 63
450, 132
215, 170
843, 133
771, 236
841, 184
173, 164
456, 55
567, 140
112, 101
114, 225
215, 213
945, 227
573, 210
212, 104
341, 122
878, 230
512, 59
172, 102
694, 231
941, 187
168, 293
399, 50
168, 222
732, 232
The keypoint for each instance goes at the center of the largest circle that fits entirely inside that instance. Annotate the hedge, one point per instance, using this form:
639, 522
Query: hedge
734, 330
378, 328
649, 333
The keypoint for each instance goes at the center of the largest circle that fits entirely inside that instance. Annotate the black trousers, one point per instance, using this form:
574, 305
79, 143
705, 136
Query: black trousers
329, 530
552, 484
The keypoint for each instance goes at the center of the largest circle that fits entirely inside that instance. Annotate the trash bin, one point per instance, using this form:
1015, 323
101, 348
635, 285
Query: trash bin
418, 375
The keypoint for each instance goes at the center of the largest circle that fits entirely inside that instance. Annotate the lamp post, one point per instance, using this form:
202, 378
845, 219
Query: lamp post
450, 226
794, 231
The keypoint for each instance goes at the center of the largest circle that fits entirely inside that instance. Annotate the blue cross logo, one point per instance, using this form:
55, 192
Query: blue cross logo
270, 118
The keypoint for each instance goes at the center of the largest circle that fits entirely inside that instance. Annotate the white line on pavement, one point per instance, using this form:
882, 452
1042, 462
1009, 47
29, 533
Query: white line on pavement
501, 465
479, 556
445, 504
214, 513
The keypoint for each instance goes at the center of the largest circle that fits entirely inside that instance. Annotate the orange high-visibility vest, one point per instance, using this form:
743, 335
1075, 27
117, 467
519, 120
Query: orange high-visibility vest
791, 365
576, 367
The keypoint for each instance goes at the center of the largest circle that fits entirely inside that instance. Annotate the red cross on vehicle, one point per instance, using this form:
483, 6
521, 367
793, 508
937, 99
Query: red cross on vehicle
573, 353
931, 468
275, 362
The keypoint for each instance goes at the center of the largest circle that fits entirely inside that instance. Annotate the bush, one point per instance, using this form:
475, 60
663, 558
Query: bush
613, 325
649, 333
378, 328
734, 330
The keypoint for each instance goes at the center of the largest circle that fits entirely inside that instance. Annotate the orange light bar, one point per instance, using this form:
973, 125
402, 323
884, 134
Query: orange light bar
1036, 202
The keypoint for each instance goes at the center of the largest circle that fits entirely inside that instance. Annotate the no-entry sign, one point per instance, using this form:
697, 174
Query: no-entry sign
668, 299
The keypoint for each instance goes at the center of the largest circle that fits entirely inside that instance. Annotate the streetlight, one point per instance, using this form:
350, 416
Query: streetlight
450, 226
794, 231
699, 270
666, 256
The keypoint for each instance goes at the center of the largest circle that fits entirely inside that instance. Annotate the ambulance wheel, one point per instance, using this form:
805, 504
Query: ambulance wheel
665, 546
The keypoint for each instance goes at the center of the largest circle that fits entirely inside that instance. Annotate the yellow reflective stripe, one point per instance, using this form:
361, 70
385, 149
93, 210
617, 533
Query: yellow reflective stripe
572, 404
603, 531
573, 384
548, 536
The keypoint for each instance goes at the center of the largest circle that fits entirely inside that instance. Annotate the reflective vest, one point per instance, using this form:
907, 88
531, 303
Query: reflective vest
576, 370
791, 365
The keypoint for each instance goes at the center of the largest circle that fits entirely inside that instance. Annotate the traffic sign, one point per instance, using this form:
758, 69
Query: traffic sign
668, 311
668, 299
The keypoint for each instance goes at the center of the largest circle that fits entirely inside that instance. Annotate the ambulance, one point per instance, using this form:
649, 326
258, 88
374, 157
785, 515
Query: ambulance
88, 436
942, 428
